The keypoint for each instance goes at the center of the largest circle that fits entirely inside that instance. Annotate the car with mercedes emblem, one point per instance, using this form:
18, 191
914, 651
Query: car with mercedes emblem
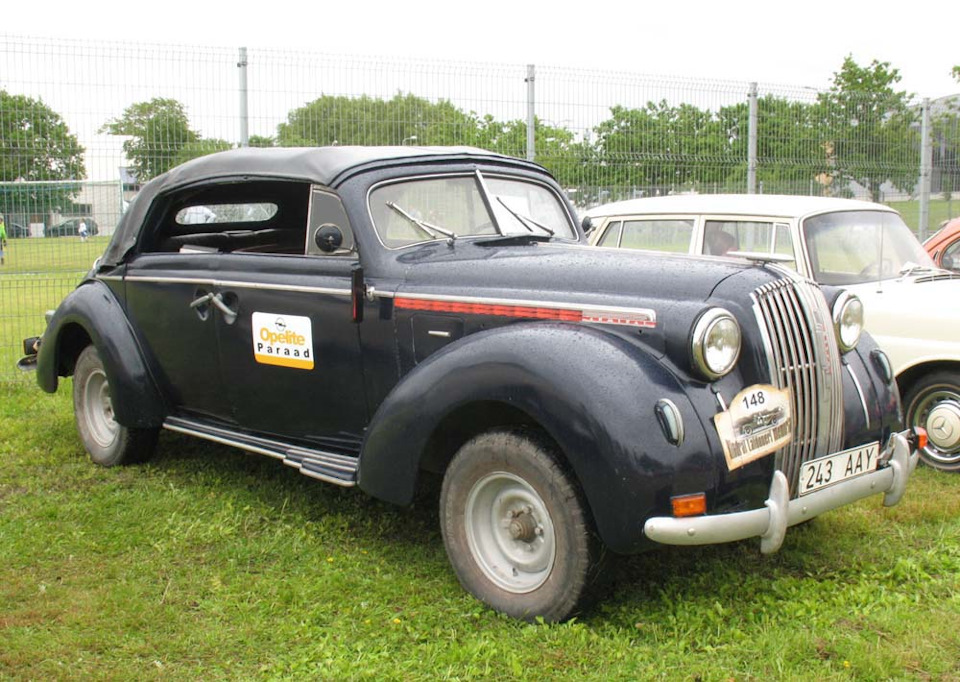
380, 316
909, 301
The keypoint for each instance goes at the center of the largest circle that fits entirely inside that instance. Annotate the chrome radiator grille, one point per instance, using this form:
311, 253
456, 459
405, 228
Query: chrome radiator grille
803, 358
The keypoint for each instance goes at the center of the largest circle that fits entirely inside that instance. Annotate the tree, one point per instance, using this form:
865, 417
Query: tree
36, 146
261, 141
662, 147
867, 128
194, 150
956, 73
158, 130
791, 159
404, 119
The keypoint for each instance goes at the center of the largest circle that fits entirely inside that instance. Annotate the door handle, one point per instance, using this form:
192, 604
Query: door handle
229, 315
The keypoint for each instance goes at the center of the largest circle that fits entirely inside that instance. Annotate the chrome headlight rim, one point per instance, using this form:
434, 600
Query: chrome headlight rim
706, 325
847, 302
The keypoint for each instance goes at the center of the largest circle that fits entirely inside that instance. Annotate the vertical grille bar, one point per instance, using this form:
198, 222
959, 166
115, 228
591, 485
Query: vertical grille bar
803, 358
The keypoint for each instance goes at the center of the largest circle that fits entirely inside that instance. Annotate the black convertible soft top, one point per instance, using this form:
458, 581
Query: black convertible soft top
319, 165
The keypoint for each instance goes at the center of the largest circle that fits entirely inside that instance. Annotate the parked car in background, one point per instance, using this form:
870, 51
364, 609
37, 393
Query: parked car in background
944, 246
373, 316
910, 304
71, 228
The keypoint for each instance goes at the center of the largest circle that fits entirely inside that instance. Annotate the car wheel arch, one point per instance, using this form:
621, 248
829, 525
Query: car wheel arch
421, 421
91, 315
909, 376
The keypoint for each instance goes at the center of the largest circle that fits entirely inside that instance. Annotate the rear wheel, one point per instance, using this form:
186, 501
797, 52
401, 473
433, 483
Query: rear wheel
515, 527
933, 402
107, 441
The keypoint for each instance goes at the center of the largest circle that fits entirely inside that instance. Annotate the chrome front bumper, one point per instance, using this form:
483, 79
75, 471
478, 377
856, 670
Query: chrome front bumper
779, 512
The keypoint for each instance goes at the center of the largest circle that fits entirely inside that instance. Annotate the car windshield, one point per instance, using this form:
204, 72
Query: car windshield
853, 247
424, 209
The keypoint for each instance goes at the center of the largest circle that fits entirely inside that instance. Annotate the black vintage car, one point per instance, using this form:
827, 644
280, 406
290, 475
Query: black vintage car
369, 315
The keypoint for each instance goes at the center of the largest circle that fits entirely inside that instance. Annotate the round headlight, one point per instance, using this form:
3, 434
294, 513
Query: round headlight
715, 343
848, 321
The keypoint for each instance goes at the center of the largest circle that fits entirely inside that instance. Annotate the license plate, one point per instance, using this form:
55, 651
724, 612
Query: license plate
832, 469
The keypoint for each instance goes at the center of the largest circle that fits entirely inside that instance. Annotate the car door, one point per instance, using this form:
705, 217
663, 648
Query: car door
167, 302
290, 350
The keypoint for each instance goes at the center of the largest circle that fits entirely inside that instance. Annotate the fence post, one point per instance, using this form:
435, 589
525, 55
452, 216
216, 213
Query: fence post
531, 113
244, 131
926, 161
752, 141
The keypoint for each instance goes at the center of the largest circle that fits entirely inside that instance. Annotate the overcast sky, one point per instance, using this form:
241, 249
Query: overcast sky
800, 43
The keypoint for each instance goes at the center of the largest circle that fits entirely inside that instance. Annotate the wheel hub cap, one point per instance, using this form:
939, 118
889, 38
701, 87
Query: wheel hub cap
943, 425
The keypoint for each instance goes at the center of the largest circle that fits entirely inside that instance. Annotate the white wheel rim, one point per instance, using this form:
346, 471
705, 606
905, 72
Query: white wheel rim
98, 409
510, 532
938, 411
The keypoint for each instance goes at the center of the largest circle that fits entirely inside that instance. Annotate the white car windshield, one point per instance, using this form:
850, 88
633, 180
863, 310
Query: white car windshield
853, 247
424, 209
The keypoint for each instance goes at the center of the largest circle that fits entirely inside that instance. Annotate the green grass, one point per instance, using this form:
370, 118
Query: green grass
36, 276
940, 210
209, 563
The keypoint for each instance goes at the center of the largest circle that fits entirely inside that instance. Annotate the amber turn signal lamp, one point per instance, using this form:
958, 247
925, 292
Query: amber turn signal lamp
921, 434
689, 505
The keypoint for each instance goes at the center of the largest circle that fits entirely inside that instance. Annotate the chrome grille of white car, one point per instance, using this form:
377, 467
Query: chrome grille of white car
803, 358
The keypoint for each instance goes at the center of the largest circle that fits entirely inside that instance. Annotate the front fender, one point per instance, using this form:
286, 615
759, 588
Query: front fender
91, 312
592, 391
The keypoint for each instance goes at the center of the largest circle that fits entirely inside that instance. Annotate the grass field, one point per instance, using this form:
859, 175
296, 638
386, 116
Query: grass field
209, 563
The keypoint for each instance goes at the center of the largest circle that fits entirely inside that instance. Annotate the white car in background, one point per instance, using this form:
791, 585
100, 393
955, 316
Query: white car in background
911, 307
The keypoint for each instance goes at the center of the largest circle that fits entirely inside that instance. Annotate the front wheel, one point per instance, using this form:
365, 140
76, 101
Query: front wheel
107, 441
933, 402
515, 527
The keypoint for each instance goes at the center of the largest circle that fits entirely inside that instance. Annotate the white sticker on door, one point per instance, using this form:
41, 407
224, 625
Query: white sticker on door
283, 340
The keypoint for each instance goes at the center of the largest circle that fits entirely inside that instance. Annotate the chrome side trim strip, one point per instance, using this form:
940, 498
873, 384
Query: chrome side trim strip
553, 305
863, 402
240, 285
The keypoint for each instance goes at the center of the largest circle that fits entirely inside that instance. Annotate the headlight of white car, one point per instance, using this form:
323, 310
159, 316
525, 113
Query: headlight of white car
848, 320
715, 343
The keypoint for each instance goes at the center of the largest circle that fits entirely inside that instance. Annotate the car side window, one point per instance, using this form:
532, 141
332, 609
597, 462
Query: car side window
783, 243
669, 235
329, 232
611, 237
720, 237
951, 257
255, 216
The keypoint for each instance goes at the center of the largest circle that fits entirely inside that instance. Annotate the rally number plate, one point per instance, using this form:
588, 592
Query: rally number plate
832, 469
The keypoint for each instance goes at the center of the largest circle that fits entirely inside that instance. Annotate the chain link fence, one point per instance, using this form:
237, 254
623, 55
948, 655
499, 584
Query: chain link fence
83, 125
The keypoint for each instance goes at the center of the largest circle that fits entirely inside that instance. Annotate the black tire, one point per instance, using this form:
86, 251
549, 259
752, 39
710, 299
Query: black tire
108, 442
933, 402
516, 528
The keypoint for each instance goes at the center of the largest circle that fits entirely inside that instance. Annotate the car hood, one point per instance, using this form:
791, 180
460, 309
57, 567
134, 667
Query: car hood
909, 299
914, 319
558, 272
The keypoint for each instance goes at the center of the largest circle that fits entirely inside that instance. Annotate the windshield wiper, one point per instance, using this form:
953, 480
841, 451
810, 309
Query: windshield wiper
430, 229
913, 269
526, 221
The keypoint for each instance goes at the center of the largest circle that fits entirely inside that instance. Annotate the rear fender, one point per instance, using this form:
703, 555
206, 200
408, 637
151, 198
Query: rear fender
591, 391
92, 314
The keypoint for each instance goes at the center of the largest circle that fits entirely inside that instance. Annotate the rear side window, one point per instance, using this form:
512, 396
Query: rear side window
670, 235
611, 237
253, 216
